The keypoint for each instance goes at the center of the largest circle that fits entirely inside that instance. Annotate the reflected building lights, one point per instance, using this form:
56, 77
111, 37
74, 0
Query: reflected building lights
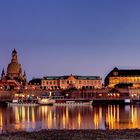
96, 120
1, 120
79, 120
67, 115
70, 117
33, 115
63, 120
132, 114
118, 114
16, 114
49, 119
28, 115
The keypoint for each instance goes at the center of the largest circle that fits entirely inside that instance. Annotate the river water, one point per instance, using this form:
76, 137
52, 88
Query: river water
22, 118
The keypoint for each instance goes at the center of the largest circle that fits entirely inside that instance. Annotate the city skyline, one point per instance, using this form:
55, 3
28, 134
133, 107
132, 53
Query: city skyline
70, 37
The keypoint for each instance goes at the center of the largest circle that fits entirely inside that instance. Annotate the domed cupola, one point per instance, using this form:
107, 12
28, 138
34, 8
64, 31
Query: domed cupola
14, 68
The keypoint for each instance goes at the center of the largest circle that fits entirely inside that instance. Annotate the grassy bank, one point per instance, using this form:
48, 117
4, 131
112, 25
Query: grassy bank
126, 134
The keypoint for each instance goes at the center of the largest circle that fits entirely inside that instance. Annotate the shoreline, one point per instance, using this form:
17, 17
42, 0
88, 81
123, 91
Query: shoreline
81, 134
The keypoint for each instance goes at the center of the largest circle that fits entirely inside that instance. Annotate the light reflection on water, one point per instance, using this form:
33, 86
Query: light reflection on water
68, 117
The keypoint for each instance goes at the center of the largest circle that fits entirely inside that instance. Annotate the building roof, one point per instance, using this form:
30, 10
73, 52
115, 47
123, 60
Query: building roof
36, 81
88, 77
75, 76
125, 72
51, 78
129, 72
124, 85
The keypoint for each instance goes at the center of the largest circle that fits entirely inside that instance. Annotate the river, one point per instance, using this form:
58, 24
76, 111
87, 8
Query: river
20, 118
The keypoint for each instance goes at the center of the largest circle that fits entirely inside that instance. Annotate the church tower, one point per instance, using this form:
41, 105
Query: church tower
14, 69
24, 78
14, 57
3, 76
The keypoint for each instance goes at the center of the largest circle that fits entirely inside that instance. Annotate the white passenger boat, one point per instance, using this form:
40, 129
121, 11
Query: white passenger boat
127, 101
16, 102
61, 101
72, 103
46, 101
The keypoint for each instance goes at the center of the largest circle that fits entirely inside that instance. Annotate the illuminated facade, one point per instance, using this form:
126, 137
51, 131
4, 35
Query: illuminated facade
128, 77
9, 84
14, 69
134, 92
14, 73
71, 81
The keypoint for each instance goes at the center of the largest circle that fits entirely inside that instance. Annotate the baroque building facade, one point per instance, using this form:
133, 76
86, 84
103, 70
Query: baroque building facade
71, 81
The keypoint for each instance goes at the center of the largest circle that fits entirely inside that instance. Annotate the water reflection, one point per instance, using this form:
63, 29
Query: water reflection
69, 117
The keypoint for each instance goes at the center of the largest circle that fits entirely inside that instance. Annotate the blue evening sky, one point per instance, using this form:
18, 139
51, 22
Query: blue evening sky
60, 37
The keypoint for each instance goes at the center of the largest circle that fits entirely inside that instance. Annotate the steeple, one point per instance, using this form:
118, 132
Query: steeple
14, 56
20, 73
24, 73
24, 78
3, 74
14, 51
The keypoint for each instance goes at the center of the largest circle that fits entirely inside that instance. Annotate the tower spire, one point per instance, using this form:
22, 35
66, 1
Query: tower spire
3, 74
14, 56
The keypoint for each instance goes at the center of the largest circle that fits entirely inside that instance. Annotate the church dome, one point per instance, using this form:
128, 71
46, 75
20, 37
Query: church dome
13, 68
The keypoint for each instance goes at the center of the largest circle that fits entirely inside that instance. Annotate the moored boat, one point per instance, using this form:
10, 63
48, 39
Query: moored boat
72, 102
22, 104
46, 101
17, 102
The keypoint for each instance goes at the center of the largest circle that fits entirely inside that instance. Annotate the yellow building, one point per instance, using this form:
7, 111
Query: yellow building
128, 77
71, 81
134, 92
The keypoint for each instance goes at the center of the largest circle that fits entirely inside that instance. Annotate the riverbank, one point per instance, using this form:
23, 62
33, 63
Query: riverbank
127, 134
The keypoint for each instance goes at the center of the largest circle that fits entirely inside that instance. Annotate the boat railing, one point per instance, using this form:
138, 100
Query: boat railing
57, 97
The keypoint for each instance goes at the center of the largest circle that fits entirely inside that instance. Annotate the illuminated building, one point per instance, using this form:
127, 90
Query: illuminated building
14, 74
134, 92
35, 83
123, 77
14, 69
71, 81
